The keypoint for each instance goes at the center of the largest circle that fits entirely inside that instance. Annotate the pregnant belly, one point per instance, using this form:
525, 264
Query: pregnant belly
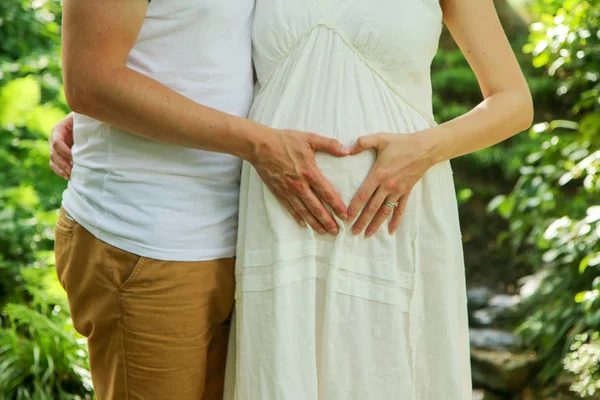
342, 109
346, 174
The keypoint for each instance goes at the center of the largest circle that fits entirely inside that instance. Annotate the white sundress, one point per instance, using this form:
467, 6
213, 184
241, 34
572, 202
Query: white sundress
344, 317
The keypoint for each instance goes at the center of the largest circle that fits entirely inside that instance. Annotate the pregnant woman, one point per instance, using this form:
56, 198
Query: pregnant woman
376, 309
381, 317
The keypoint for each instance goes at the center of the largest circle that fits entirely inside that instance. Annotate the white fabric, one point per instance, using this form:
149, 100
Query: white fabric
344, 318
156, 200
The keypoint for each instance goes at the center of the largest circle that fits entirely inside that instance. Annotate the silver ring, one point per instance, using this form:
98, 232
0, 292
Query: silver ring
391, 204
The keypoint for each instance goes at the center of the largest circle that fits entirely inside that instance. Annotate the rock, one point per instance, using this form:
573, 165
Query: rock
531, 283
504, 301
485, 317
478, 297
493, 339
502, 371
500, 308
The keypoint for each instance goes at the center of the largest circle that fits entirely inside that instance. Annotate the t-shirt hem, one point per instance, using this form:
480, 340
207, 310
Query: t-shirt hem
154, 253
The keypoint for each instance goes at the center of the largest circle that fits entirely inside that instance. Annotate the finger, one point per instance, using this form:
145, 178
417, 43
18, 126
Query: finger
61, 162
398, 213
364, 194
367, 214
62, 148
306, 215
384, 213
328, 145
59, 171
318, 210
288, 206
325, 190
68, 132
57, 166
363, 143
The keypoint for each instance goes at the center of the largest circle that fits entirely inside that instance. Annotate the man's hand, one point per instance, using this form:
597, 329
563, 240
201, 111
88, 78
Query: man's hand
287, 166
61, 142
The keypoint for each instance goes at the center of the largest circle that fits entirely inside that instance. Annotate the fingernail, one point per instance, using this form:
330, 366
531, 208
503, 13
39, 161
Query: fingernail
346, 149
368, 234
343, 217
355, 231
322, 231
334, 231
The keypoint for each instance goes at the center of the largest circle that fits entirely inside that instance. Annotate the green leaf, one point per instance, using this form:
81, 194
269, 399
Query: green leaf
584, 264
541, 60
564, 124
18, 98
42, 119
580, 297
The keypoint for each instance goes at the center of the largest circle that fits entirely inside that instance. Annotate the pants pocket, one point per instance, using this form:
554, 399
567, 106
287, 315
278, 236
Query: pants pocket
63, 238
125, 267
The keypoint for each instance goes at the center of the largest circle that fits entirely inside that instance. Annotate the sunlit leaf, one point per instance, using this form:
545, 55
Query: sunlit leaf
43, 119
18, 98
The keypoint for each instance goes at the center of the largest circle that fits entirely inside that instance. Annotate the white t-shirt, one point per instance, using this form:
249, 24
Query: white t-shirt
157, 200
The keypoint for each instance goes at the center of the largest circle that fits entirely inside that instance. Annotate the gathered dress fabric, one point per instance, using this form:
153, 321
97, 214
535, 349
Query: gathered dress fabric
347, 317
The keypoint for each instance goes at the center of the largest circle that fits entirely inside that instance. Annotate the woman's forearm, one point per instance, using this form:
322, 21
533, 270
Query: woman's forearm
497, 118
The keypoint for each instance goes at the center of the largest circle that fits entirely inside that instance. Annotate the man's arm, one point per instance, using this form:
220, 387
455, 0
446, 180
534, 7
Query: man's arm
97, 38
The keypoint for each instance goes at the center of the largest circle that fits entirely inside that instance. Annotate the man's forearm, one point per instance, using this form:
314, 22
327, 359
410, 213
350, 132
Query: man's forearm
142, 106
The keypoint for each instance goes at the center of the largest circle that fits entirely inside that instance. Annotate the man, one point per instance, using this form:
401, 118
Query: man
146, 238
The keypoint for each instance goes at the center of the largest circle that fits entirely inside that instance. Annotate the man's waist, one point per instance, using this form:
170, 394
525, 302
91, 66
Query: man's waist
211, 175
193, 238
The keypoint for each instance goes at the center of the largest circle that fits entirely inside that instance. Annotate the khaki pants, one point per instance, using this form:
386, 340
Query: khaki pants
156, 330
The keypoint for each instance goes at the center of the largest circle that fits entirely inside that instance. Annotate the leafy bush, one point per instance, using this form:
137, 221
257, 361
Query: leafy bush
584, 362
553, 212
482, 175
548, 219
41, 356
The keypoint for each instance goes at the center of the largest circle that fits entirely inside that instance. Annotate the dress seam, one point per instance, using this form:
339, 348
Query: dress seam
430, 120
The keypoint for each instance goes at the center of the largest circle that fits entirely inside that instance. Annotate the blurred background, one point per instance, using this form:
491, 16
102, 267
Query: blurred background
530, 211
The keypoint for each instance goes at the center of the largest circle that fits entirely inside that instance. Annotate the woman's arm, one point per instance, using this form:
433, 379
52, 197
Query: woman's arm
507, 109
97, 38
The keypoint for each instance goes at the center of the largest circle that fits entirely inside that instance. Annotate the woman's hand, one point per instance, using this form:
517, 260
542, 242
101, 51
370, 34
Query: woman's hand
61, 142
402, 160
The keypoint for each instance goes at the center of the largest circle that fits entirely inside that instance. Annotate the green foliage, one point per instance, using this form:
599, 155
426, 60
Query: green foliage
547, 221
583, 361
482, 175
552, 211
28, 27
41, 356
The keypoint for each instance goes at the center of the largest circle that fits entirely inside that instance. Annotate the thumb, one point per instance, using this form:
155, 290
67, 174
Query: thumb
364, 143
328, 145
